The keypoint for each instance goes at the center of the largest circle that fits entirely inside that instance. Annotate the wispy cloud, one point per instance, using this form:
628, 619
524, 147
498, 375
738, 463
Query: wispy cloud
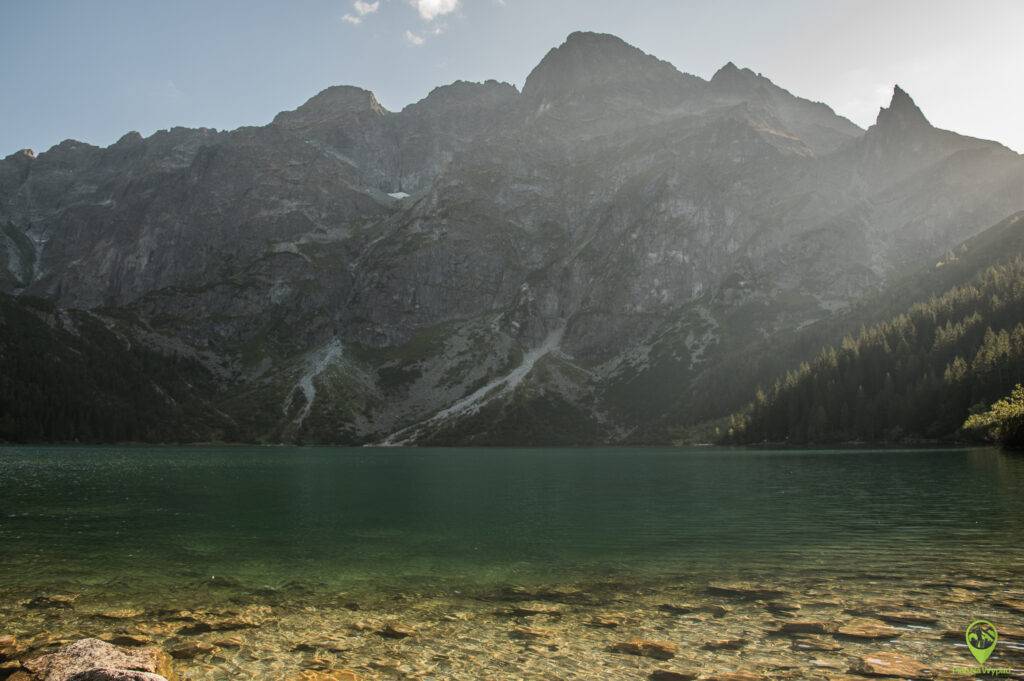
414, 38
361, 8
431, 9
364, 8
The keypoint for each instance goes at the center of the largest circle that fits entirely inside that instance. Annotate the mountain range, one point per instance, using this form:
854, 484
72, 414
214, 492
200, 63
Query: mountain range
602, 257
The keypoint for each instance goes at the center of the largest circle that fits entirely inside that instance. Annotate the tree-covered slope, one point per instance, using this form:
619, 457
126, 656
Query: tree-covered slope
919, 373
72, 376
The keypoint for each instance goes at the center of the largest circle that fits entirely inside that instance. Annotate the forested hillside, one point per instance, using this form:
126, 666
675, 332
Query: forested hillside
917, 375
68, 376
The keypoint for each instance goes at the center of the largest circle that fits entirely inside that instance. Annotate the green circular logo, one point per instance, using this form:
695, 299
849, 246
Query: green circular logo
981, 639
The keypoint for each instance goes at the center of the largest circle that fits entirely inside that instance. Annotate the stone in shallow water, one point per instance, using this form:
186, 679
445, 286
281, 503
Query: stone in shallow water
121, 614
9, 648
867, 630
745, 590
396, 630
91, 653
782, 608
891, 664
329, 645
1014, 604
57, 601
530, 633
191, 649
809, 644
677, 608
229, 642
107, 674
906, 617
726, 644
532, 609
609, 621
659, 650
672, 675
804, 627
733, 676
130, 640
327, 675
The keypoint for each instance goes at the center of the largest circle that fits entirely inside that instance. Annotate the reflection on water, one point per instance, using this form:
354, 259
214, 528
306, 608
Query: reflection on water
315, 543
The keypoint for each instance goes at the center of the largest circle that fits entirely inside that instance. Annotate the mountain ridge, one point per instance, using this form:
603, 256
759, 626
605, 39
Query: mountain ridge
368, 269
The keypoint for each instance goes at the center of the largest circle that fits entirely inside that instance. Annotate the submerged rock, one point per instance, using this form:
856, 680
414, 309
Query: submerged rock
726, 644
61, 601
9, 648
1014, 604
905, 617
532, 609
867, 630
396, 630
804, 627
891, 664
325, 675
107, 674
605, 621
121, 614
130, 640
809, 644
745, 590
91, 653
672, 675
191, 649
530, 633
659, 650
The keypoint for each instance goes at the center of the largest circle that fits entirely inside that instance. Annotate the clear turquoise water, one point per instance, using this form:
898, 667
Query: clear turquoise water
142, 519
317, 549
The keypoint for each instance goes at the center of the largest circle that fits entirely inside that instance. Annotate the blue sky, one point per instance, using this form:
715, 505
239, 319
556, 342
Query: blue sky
94, 69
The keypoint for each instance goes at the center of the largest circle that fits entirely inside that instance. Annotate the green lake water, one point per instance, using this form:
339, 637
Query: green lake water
203, 527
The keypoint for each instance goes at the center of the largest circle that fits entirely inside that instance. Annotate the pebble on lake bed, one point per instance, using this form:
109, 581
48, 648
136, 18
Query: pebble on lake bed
891, 664
672, 675
867, 630
396, 630
659, 650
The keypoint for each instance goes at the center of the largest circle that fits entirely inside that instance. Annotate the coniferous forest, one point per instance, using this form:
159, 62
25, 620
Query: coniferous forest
70, 376
917, 376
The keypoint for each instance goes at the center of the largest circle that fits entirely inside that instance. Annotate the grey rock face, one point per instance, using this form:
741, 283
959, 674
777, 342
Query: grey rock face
354, 273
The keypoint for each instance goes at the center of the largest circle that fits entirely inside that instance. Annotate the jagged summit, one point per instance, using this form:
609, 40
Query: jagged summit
586, 60
902, 112
331, 102
28, 154
732, 75
465, 92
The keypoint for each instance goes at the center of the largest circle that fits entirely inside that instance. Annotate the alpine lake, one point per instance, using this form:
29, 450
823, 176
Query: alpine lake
612, 563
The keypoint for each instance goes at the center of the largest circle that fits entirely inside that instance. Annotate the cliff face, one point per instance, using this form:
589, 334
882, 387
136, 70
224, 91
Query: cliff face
573, 257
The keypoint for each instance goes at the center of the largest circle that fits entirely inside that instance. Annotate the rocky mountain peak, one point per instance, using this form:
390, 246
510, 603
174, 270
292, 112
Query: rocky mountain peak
902, 113
337, 101
735, 80
466, 93
23, 154
129, 138
587, 60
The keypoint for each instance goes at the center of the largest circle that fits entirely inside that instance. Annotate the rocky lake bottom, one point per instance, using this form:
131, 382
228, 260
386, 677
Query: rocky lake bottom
852, 625
637, 584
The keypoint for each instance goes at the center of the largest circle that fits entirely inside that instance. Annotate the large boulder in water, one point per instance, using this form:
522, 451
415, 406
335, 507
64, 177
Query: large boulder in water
91, 658
107, 674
